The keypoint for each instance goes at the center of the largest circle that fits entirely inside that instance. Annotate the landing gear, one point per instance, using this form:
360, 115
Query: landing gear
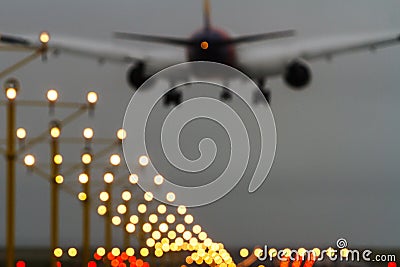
173, 97
265, 92
225, 95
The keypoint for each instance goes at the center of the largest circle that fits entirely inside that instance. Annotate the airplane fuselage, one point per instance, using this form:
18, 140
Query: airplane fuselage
207, 47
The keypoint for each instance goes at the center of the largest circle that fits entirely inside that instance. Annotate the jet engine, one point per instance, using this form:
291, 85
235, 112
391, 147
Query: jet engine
297, 74
136, 75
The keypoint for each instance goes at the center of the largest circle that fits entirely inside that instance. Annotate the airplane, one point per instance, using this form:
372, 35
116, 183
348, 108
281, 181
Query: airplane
290, 60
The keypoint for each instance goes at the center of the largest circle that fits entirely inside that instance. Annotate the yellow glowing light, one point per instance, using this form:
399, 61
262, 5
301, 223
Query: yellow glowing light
133, 178
258, 252
58, 159
44, 37
115, 159
83, 178
161, 209
179, 241
204, 45
142, 208
344, 252
92, 97
181, 209
104, 196
196, 229
180, 228
88, 133
146, 227
121, 209
130, 252
72, 252
171, 234
158, 179
126, 195
82, 196
187, 235
144, 252
158, 252
116, 220
316, 252
153, 218
59, 179
193, 241
244, 252
115, 252
170, 218
58, 252
101, 251
11, 93
134, 219
101, 210
301, 252
130, 228
21, 133
330, 252
156, 235
165, 241
272, 252
148, 196
108, 177
52, 95
202, 235
86, 158
165, 247
287, 252
170, 197
143, 161
150, 242
55, 132
163, 227
121, 134
207, 242
29, 160
188, 219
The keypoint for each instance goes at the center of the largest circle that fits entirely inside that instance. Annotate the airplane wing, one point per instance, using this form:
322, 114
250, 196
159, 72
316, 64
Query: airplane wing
102, 51
269, 60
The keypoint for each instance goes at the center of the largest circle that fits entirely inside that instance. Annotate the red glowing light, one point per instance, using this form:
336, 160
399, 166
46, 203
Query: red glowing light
124, 256
92, 264
139, 263
110, 256
97, 256
115, 263
132, 259
20, 264
146, 264
392, 264
58, 264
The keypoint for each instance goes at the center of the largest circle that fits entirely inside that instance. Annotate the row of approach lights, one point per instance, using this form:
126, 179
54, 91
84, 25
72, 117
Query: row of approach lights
55, 130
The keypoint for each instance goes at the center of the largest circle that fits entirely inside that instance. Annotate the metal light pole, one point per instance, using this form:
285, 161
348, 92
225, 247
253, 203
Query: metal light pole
107, 218
86, 160
11, 88
55, 132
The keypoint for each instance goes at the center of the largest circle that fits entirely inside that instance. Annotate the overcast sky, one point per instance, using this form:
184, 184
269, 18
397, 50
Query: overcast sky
336, 172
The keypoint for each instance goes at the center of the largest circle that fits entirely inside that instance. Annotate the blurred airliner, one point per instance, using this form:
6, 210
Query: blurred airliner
290, 60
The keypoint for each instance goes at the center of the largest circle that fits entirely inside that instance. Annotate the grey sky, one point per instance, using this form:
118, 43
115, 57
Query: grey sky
336, 172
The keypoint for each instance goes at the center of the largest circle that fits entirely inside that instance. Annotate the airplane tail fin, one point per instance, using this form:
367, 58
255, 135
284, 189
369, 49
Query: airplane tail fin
207, 14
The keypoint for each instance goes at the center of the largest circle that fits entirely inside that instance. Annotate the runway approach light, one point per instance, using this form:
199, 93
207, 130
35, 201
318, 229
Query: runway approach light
92, 98
11, 87
44, 37
52, 95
